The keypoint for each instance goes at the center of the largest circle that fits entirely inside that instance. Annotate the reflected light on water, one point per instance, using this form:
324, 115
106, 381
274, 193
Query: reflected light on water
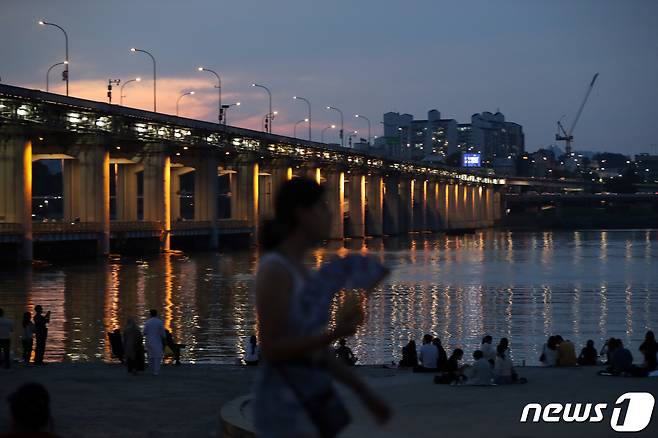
525, 286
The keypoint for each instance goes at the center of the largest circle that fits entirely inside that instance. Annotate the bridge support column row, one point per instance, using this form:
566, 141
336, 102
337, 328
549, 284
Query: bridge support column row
16, 188
87, 189
245, 195
126, 192
157, 192
335, 184
205, 194
432, 214
357, 206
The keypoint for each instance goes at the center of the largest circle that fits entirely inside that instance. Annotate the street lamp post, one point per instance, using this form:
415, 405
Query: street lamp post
48, 73
342, 140
66, 58
309, 113
270, 113
225, 108
322, 132
121, 95
220, 115
189, 93
154, 75
294, 129
367, 120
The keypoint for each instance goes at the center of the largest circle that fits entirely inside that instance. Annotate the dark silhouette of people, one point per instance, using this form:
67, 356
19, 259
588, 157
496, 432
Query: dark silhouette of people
27, 338
488, 350
116, 344
649, 348
30, 412
344, 353
566, 352
453, 372
621, 360
133, 347
606, 350
6, 327
428, 357
252, 352
409, 355
588, 355
41, 331
173, 346
442, 360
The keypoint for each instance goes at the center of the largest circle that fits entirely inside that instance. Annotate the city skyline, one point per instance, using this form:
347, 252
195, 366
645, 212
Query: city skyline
264, 43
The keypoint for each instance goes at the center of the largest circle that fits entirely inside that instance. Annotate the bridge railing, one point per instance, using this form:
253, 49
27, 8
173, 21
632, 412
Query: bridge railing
10, 228
66, 227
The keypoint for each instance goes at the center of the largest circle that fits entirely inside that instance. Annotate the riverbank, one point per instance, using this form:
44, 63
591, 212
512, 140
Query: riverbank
100, 400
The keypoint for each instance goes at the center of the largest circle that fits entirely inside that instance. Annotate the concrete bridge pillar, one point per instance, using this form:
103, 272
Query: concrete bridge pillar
157, 191
87, 188
443, 205
391, 217
16, 187
335, 190
375, 204
126, 192
470, 205
432, 214
206, 188
406, 205
455, 211
488, 205
357, 205
497, 206
245, 195
279, 174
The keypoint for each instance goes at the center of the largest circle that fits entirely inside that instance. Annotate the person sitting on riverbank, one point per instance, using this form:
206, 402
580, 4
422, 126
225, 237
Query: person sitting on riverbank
344, 353
30, 412
409, 355
649, 349
252, 351
504, 372
454, 372
488, 350
548, 356
588, 355
480, 373
621, 359
429, 356
566, 353
442, 359
504, 343
606, 351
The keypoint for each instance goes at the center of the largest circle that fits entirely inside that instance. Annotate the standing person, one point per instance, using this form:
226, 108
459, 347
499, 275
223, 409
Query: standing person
6, 327
133, 347
294, 394
41, 331
649, 348
27, 339
252, 353
154, 333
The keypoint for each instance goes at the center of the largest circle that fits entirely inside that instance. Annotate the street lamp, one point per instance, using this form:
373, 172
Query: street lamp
48, 73
154, 75
351, 136
124, 84
367, 120
269, 93
267, 120
65, 74
309, 113
340, 134
225, 112
322, 132
220, 115
294, 130
189, 93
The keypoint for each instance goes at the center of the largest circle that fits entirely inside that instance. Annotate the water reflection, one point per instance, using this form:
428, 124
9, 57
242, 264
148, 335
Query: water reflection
525, 286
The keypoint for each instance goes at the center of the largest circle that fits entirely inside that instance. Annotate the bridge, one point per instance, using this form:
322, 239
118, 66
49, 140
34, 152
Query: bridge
108, 149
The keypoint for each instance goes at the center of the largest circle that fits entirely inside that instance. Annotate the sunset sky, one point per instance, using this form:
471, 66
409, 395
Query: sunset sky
531, 59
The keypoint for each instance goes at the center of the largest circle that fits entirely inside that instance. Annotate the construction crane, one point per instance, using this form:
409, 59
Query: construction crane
567, 136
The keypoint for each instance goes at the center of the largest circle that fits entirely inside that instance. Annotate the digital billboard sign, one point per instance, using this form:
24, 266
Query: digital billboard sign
471, 160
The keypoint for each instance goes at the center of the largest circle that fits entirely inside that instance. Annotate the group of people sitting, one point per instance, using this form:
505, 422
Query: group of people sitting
491, 365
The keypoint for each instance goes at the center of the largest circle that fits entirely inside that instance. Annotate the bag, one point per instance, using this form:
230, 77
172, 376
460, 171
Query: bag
326, 410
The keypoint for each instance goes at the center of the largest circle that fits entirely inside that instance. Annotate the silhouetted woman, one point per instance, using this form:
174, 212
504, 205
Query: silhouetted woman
294, 393
133, 347
409, 355
252, 354
27, 338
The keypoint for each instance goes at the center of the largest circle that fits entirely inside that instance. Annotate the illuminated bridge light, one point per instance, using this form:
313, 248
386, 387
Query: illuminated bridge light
22, 110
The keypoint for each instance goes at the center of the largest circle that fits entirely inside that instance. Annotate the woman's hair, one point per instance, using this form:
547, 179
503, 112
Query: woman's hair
650, 336
27, 317
501, 351
253, 340
293, 194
